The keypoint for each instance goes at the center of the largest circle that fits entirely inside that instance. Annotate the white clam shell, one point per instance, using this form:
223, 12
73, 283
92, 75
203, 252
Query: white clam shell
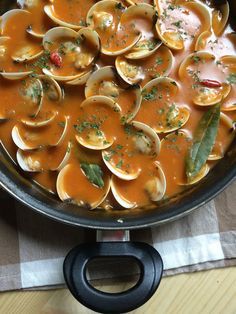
6, 16
88, 35
172, 38
109, 74
81, 80
11, 75
179, 116
220, 18
104, 7
48, 9
202, 174
144, 47
132, 70
62, 193
155, 188
29, 164
98, 141
25, 53
203, 55
33, 123
202, 40
21, 143
141, 146
211, 96
51, 88
228, 122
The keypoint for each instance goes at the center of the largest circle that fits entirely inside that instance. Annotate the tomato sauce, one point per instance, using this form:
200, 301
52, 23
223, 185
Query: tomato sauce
99, 128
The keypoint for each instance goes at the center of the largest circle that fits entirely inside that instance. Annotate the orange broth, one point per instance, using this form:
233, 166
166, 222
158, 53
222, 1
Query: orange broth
49, 144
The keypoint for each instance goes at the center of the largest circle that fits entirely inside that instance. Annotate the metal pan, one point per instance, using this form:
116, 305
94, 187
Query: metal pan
148, 259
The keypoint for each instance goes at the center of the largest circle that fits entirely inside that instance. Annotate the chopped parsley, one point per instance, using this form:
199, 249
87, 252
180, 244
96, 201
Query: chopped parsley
150, 95
231, 78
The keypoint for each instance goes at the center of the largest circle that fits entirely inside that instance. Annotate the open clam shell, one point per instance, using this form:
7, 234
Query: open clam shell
48, 9
173, 32
39, 122
36, 8
51, 89
160, 63
190, 69
27, 51
108, 18
34, 161
158, 97
224, 137
149, 41
6, 59
148, 188
143, 142
202, 174
32, 92
205, 96
93, 126
105, 81
85, 194
220, 18
28, 138
193, 59
202, 40
228, 64
77, 52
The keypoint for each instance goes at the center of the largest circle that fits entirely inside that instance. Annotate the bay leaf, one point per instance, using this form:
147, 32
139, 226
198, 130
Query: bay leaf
94, 173
203, 141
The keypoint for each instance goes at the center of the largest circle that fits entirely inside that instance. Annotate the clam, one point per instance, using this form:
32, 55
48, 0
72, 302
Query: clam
6, 59
40, 19
205, 96
120, 158
204, 93
158, 108
31, 91
139, 192
220, 18
26, 54
109, 18
228, 64
48, 9
81, 80
173, 32
27, 51
87, 194
202, 174
93, 126
14, 75
201, 41
149, 42
160, 63
39, 122
75, 52
51, 89
224, 137
53, 159
105, 81
194, 59
29, 138
135, 2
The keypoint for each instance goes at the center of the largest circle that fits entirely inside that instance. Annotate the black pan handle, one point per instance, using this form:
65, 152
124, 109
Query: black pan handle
148, 259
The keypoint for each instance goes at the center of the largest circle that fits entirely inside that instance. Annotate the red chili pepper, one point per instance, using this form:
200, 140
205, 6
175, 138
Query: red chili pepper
210, 83
56, 59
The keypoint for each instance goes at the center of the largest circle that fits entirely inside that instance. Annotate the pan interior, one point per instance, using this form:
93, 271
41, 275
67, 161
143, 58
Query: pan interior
17, 184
